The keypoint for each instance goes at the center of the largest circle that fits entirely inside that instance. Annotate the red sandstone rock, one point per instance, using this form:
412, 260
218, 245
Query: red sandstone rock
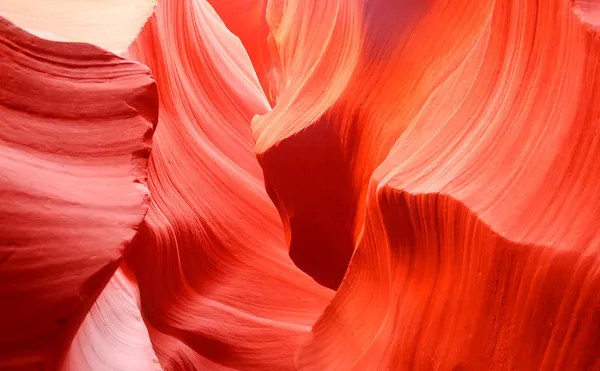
480, 245
347, 91
75, 129
113, 336
246, 19
435, 161
218, 289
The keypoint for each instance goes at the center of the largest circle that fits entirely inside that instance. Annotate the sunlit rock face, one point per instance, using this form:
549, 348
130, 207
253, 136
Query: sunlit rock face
332, 185
475, 232
217, 285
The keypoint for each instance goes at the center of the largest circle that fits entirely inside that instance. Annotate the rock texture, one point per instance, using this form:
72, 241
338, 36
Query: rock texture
218, 289
460, 158
346, 90
75, 129
246, 19
113, 336
435, 162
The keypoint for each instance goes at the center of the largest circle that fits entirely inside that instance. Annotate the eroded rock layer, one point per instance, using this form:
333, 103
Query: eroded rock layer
218, 289
75, 129
352, 76
433, 161
479, 246
113, 336
246, 19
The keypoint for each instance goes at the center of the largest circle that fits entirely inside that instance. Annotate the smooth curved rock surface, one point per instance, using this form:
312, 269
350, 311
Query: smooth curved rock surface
435, 162
113, 336
246, 19
75, 129
481, 247
351, 81
218, 289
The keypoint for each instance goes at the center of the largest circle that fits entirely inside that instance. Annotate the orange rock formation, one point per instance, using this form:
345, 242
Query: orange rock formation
334, 185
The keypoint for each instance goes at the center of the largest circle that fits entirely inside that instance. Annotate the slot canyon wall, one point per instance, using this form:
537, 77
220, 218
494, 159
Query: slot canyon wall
314, 185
